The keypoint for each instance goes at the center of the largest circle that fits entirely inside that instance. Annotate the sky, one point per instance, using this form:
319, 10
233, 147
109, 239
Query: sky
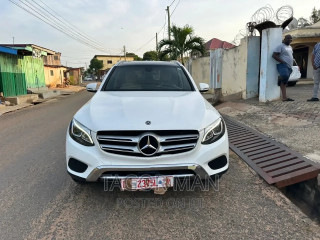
109, 25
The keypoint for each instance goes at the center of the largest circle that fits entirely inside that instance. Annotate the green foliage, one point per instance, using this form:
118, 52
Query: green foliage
135, 57
315, 15
150, 56
95, 64
182, 41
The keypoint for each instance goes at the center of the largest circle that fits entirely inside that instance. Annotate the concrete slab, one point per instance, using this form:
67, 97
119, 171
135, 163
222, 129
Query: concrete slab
28, 98
8, 109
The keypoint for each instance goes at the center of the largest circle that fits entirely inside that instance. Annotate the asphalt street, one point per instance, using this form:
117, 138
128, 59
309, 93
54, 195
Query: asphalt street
38, 200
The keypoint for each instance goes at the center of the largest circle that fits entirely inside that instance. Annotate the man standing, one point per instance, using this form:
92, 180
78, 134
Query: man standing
284, 55
316, 73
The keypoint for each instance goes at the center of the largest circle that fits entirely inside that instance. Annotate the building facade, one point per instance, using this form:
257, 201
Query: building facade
303, 41
110, 60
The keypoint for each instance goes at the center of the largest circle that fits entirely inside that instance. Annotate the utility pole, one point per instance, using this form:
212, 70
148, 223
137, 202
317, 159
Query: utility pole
157, 42
13, 40
124, 53
168, 22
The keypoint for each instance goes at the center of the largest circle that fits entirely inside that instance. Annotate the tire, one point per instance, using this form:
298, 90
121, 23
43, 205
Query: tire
291, 84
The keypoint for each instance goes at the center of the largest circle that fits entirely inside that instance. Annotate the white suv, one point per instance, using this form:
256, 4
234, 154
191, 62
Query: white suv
149, 125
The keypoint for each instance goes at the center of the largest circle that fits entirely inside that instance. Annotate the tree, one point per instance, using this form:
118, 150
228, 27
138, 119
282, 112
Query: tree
315, 16
181, 42
95, 66
135, 57
150, 56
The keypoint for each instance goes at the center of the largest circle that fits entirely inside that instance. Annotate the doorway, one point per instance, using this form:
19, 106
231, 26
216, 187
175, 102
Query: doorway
300, 54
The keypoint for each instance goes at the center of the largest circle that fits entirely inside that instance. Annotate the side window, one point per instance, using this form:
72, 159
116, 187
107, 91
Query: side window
51, 73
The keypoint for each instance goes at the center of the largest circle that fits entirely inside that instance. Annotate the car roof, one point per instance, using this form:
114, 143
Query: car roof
162, 63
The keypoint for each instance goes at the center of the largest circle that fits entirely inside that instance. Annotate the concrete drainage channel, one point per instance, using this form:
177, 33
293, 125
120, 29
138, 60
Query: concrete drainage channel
306, 195
296, 176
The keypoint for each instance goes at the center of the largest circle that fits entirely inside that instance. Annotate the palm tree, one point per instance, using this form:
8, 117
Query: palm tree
181, 42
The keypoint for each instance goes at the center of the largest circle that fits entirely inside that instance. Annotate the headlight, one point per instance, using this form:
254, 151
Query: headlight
213, 132
80, 133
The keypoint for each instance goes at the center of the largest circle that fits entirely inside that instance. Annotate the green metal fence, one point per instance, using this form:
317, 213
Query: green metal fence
12, 78
34, 70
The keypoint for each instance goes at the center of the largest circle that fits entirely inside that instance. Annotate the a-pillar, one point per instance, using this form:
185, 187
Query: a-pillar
269, 89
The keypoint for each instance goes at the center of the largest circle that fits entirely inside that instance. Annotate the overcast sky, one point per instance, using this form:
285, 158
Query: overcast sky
132, 23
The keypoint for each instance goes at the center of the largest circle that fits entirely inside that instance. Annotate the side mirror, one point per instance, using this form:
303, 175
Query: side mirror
92, 87
203, 87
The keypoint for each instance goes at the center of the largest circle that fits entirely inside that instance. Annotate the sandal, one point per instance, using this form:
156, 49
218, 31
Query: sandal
287, 100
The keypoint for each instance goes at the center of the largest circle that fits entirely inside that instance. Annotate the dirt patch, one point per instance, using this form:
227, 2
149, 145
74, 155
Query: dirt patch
234, 109
289, 121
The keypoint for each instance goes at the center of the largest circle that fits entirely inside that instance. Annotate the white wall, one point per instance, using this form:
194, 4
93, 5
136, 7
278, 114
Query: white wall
201, 70
234, 70
269, 89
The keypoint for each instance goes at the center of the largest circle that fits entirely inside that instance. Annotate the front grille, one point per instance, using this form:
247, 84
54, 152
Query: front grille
126, 142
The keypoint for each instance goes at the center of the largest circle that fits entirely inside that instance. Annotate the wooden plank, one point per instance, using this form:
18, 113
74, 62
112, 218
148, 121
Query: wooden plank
267, 149
276, 161
267, 154
249, 150
282, 165
235, 140
253, 144
247, 141
265, 143
281, 154
238, 134
265, 176
296, 177
289, 169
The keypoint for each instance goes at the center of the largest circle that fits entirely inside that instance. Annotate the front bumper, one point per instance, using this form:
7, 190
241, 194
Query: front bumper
100, 163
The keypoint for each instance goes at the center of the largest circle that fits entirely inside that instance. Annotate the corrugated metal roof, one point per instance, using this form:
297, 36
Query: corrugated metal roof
8, 50
28, 47
216, 43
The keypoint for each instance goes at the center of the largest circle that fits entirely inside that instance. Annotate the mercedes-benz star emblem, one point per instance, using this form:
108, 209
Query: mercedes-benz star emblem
148, 145
148, 122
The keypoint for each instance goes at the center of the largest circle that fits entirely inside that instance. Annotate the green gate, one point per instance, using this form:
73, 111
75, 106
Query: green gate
12, 79
34, 71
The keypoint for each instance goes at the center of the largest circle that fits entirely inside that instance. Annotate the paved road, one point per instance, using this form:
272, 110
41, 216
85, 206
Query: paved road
40, 201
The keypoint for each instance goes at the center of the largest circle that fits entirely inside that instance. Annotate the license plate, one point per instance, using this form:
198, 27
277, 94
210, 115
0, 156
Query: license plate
142, 183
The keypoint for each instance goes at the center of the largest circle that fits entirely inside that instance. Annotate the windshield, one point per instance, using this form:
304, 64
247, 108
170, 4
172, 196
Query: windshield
148, 78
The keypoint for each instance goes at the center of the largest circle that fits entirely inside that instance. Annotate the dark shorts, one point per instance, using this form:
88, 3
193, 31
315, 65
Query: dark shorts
284, 73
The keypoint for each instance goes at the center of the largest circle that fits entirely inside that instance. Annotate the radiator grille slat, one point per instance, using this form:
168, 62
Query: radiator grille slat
126, 142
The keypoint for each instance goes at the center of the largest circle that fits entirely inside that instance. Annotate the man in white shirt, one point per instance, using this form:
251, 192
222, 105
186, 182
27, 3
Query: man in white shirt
284, 55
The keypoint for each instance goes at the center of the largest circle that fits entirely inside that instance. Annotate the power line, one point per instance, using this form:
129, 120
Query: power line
145, 43
172, 3
61, 24
175, 8
36, 12
66, 21
165, 22
46, 20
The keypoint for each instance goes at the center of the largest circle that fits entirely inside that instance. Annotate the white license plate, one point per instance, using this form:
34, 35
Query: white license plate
141, 183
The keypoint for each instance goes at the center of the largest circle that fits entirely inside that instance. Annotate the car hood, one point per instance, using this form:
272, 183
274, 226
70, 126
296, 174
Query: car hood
131, 111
